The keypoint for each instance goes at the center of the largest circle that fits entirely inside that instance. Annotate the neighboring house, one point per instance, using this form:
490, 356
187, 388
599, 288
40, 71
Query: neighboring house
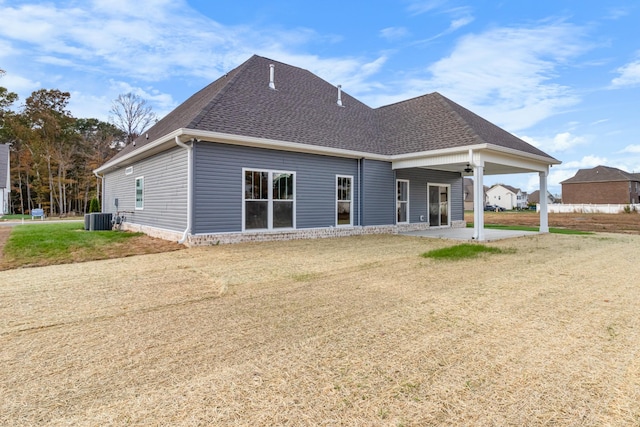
5, 179
272, 151
534, 198
601, 185
507, 197
468, 194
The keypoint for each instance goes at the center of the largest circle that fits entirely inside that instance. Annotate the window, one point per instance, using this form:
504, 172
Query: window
140, 192
402, 201
344, 196
268, 199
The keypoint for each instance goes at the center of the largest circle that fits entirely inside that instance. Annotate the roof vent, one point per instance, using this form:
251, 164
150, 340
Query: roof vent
340, 96
272, 73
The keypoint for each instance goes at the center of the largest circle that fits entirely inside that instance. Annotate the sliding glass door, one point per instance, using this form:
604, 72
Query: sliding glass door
438, 204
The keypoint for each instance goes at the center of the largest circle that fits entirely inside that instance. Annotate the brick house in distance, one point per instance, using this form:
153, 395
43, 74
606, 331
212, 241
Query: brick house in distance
601, 185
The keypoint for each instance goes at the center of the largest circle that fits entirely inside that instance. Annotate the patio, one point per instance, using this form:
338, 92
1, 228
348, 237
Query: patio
467, 234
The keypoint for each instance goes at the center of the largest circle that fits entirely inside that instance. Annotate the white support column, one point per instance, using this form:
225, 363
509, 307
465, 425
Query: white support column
544, 211
478, 202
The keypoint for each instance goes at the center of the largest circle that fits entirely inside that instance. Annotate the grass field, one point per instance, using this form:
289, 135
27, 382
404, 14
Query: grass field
353, 331
67, 242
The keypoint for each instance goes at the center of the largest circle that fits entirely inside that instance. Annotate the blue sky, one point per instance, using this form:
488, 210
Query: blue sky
563, 75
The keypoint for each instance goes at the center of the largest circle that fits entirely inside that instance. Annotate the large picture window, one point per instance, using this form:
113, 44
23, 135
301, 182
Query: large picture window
344, 200
268, 199
140, 192
402, 201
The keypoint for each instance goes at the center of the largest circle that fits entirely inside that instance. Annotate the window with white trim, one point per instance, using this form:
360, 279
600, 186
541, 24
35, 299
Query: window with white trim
402, 201
140, 192
344, 200
268, 199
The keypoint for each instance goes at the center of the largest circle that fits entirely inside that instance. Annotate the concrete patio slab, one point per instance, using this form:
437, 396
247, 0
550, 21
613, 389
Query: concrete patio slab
467, 234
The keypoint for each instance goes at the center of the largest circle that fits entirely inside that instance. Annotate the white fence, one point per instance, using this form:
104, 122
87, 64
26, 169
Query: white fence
587, 208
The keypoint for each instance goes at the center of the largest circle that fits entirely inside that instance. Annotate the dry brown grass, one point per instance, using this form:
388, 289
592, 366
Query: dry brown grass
353, 331
626, 223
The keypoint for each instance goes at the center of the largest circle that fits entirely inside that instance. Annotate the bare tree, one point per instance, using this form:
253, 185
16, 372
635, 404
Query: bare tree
132, 115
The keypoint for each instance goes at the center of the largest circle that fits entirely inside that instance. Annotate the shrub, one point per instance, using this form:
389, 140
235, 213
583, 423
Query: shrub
94, 206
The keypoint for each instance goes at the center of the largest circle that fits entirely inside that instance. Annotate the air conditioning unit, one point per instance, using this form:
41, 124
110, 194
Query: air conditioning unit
97, 221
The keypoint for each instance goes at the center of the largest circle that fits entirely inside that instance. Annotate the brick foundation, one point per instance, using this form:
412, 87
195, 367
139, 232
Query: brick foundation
266, 236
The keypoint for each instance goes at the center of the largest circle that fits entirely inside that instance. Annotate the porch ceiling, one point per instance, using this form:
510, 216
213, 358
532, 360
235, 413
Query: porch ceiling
490, 168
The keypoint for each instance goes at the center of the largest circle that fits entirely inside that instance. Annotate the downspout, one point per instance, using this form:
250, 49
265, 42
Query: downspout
101, 192
189, 149
359, 193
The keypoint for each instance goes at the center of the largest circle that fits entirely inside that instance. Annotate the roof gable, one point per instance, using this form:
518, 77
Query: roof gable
509, 188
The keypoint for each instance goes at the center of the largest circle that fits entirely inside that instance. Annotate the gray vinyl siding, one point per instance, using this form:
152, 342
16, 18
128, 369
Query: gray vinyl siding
165, 191
418, 180
219, 185
378, 191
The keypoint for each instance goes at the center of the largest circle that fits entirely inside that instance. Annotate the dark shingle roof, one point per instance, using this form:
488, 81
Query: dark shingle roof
4, 161
303, 109
600, 174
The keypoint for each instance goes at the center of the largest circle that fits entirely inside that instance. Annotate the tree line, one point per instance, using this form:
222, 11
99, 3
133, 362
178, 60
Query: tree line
53, 154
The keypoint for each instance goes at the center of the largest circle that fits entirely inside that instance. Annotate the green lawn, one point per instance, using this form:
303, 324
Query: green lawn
527, 228
463, 251
14, 216
48, 243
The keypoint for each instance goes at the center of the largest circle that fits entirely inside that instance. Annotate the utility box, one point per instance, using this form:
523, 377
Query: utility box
97, 221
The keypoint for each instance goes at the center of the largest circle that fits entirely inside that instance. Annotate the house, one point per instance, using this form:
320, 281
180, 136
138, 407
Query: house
5, 179
468, 194
601, 185
507, 197
272, 151
534, 198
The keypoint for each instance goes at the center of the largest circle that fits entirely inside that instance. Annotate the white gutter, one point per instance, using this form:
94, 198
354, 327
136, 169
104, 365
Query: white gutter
189, 149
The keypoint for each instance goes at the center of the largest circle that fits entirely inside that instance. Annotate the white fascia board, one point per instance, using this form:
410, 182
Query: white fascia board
225, 138
141, 152
250, 141
518, 153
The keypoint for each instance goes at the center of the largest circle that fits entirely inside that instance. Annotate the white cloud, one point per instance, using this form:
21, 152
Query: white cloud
422, 6
564, 141
629, 75
560, 142
634, 149
19, 84
393, 33
460, 22
506, 74
589, 161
